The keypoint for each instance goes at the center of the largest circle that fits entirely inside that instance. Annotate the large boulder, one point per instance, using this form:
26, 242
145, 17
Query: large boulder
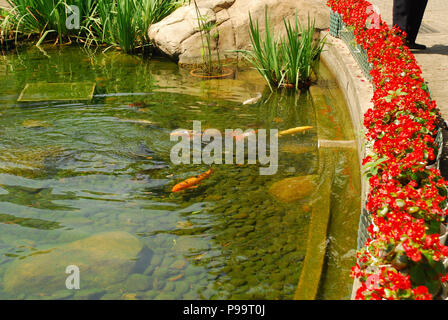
178, 34
293, 189
103, 259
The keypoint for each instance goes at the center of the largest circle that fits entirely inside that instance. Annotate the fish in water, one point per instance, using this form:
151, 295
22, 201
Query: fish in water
253, 100
294, 131
137, 104
140, 121
245, 135
185, 133
191, 182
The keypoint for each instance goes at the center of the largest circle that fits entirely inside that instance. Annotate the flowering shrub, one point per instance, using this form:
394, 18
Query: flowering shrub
407, 199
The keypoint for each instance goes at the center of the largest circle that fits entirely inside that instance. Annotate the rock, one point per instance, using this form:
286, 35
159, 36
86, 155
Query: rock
181, 288
178, 34
103, 259
35, 124
129, 296
138, 282
165, 296
293, 189
186, 245
241, 215
89, 294
59, 295
178, 264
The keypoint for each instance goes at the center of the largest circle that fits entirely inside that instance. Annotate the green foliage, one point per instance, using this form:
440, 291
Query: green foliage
122, 23
152, 11
393, 95
205, 29
47, 16
284, 62
371, 168
125, 27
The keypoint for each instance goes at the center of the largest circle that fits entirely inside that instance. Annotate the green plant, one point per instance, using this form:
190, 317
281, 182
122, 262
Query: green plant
205, 29
152, 11
5, 26
124, 30
47, 16
287, 61
122, 23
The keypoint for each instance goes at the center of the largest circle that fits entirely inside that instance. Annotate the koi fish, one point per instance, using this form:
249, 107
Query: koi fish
294, 130
253, 100
191, 182
137, 104
243, 136
139, 121
185, 133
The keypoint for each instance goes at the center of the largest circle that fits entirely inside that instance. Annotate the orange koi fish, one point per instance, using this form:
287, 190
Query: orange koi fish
243, 136
294, 131
186, 133
191, 182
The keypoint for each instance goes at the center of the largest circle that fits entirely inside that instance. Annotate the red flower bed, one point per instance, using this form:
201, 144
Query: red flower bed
407, 199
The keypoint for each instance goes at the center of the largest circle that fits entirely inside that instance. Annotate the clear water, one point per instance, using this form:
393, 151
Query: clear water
72, 170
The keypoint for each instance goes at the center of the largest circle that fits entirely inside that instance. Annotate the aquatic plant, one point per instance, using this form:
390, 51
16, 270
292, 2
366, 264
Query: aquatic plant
152, 11
205, 27
124, 25
6, 28
284, 61
43, 17
121, 23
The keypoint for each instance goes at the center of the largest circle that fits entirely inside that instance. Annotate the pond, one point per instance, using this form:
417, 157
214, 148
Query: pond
89, 182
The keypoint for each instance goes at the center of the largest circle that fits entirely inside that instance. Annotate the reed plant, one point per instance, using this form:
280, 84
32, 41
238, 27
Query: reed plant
6, 32
152, 11
284, 61
209, 66
124, 26
122, 23
42, 17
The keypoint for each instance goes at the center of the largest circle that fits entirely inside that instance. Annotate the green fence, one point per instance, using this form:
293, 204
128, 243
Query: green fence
335, 23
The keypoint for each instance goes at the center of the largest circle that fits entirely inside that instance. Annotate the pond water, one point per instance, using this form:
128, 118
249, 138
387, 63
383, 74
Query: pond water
88, 183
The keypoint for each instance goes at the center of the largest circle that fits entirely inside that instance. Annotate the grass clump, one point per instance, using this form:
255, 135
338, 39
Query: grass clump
121, 23
205, 27
286, 61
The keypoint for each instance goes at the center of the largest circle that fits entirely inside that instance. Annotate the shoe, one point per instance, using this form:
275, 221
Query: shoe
416, 46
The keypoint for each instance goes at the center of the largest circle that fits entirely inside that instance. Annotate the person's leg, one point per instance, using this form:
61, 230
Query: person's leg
417, 12
402, 13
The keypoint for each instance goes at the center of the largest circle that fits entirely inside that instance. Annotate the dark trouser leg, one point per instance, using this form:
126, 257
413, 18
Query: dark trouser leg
418, 11
402, 14
408, 16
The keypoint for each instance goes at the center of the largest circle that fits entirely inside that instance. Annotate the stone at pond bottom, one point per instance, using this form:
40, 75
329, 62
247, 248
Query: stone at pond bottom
35, 124
138, 282
89, 294
103, 259
293, 189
